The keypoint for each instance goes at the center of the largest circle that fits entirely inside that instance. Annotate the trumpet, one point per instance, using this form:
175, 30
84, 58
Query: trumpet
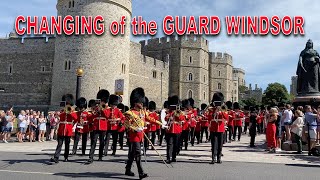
68, 109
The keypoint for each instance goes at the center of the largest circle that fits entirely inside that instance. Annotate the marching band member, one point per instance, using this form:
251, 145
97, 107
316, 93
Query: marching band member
100, 124
92, 106
67, 119
121, 127
246, 118
204, 121
82, 127
153, 126
135, 124
174, 118
163, 115
185, 124
192, 116
197, 129
238, 120
113, 122
217, 121
230, 121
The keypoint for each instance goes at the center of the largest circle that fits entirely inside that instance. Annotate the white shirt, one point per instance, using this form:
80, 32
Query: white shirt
300, 123
163, 116
288, 116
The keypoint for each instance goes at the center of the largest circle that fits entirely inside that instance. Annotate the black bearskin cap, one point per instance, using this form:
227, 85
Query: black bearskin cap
166, 105
92, 103
114, 100
103, 95
262, 107
236, 105
81, 103
185, 103
146, 102
203, 106
68, 98
229, 104
152, 105
247, 108
252, 109
173, 100
191, 101
126, 108
137, 96
217, 99
120, 106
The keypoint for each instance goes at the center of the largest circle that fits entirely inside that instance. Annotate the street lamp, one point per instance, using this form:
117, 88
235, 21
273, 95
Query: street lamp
79, 75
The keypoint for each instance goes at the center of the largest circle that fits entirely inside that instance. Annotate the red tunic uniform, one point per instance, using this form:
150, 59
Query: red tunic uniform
131, 123
217, 121
174, 122
100, 121
153, 126
84, 115
198, 125
122, 128
113, 123
66, 124
247, 117
192, 115
231, 114
238, 118
204, 120
260, 118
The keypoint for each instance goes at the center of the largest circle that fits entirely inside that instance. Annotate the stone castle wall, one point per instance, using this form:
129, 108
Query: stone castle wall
29, 83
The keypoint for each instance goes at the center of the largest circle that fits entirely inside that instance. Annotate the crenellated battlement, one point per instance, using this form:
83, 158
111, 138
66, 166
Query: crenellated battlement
219, 57
175, 41
27, 45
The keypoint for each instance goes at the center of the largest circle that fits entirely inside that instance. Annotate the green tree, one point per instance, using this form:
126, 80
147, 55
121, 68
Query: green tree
274, 94
242, 89
250, 102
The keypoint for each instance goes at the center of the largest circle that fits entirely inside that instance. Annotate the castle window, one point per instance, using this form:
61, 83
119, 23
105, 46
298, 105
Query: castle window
190, 60
235, 84
219, 73
51, 66
10, 69
123, 69
154, 74
235, 91
204, 95
219, 86
204, 78
190, 77
43, 68
67, 65
69, 4
204, 62
72, 3
190, 94
154, 62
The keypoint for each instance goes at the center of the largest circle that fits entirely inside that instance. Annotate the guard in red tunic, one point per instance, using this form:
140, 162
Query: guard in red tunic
92, 107
246, 118
82, 127
67, 119
121, 127
230, 121
185, 124
204, 122
100, 123
153, 126
238, 120
114, 119
134, 123
197, 130
217, 119
192, 116
174, 118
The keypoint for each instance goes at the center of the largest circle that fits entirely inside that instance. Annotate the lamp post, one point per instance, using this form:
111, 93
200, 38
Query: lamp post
79, 75
161, 87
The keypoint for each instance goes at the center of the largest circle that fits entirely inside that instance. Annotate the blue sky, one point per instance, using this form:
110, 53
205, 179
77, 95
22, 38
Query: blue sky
265, 59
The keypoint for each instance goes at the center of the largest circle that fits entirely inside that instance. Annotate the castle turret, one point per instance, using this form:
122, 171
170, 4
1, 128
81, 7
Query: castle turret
101, 57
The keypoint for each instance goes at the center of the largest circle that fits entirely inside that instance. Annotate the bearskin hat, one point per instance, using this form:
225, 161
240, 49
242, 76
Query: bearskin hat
114, 100
252, 109
68, 98
236, 105
217, 99
262, 107
146, 102
165, 104
137, 96
81, 103
191, 101
257, 107
152, 105
229, 104
247, 108
120, 106
203, 106
103, 95
173, 100
126, 108
92, 103
185, 103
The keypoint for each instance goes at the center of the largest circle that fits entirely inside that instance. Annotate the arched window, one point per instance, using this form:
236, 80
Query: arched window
190, 60
190, 77
190, 94
72, 3
219, 86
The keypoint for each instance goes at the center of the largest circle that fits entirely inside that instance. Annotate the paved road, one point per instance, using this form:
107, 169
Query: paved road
31, 161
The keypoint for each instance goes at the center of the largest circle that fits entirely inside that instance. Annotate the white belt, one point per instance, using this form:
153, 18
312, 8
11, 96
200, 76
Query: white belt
238, 119
65, 122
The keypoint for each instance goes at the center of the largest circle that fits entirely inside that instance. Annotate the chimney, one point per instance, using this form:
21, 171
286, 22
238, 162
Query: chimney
250, 88
256, 86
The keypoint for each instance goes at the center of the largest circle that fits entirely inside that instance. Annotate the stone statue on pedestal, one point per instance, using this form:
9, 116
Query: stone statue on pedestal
308, 71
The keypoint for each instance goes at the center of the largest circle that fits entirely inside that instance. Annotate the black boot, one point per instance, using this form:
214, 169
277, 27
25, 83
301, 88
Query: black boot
129, 172
55, 160
143, 175
90, 161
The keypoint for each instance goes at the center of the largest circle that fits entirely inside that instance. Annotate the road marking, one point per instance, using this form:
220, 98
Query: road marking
27, 172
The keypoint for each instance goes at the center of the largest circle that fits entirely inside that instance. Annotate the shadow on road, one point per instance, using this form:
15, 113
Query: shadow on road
105, 175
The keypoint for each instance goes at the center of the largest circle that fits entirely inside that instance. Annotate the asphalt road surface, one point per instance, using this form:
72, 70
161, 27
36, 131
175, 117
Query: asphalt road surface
36, 166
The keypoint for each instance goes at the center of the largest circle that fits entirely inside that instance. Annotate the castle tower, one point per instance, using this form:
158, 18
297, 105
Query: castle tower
101, 57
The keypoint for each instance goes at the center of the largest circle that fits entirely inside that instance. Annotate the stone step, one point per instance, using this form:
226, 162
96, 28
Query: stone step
294, 147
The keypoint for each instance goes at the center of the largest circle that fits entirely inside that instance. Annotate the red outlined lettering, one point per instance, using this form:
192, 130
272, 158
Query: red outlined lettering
168, 27
275, 30
192, 26
264, 20
98, 25
215, 20
203, 24
19, 31
32, 25
86, 25
122, 24
232, 25
68, 26
298, 25
56, 25
252, 25
152, 28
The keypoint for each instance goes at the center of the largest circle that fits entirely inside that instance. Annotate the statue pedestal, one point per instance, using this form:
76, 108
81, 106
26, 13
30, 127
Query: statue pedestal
302, 100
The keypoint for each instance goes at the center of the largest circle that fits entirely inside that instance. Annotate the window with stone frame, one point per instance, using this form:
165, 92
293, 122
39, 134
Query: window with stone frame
67, 65
154, 74
204, 78
204, 95
190, 77
190, 59
219, 73
219, 86
43, 68
10, 69
123, 69
72, 3
190, 94
69, 4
